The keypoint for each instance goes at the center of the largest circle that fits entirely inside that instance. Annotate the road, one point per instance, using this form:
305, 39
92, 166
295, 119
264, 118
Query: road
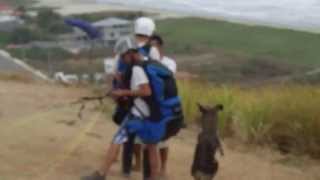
8, 66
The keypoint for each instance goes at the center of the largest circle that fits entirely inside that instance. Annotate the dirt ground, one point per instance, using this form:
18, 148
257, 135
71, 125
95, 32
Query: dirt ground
42, 139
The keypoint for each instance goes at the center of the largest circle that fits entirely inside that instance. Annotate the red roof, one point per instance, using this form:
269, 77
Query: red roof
5, 7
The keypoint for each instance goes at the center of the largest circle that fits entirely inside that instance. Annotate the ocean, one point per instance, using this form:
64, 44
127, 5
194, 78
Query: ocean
296, 14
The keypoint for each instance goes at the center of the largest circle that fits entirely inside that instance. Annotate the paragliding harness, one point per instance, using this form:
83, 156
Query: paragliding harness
124, 104
166, 117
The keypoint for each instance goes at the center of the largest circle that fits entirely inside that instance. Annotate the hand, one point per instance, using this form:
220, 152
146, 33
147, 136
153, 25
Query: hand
221, 151
118, 93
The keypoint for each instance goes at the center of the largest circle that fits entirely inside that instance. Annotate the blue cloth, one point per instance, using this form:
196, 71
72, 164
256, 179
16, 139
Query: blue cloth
121, 67
85, 26
122, 134
149, 132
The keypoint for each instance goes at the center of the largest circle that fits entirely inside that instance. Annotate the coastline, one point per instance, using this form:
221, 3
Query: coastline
70, 7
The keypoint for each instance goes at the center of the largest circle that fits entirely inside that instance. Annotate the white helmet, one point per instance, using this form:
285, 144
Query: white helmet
125, 44
144, 26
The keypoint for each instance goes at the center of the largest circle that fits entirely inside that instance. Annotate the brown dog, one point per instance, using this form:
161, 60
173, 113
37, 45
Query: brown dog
205, 165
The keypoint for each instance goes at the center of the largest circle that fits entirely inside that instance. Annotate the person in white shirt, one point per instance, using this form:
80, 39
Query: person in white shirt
144, 28
139, 88
157, 41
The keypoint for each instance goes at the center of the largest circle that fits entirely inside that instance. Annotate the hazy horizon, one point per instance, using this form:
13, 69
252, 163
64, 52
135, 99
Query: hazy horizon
297, 14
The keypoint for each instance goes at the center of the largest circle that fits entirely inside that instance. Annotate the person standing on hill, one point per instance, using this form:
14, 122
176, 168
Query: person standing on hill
139, 88
144, 29
157, 41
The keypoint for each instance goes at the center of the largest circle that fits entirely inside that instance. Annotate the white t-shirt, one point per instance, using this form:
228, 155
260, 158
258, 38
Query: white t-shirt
153, 54
138, 78
169, 63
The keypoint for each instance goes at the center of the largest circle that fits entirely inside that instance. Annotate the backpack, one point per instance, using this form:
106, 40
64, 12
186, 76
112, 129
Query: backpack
166, 115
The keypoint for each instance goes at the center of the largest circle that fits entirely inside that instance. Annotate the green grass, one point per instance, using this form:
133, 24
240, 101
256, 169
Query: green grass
40, 54
4, 39
194, 36
287, 117
19, 2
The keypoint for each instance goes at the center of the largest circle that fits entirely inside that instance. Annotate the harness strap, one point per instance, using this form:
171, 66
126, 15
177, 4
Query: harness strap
140, 111
171, 102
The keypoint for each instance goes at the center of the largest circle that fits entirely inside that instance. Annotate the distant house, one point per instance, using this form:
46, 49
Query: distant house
113, 28
9, 23
6, 9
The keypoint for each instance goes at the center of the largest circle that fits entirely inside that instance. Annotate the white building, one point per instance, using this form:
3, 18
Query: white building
110, 66
9, 23
113, 28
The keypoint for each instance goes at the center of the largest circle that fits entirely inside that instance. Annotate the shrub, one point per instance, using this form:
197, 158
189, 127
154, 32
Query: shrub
46, 17
23, 35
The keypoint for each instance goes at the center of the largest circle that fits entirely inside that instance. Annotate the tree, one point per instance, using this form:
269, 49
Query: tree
47, 17
59, 28
22, 35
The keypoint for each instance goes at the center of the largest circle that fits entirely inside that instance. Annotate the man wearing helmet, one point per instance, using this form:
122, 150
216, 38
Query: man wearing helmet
138, 89
144, 28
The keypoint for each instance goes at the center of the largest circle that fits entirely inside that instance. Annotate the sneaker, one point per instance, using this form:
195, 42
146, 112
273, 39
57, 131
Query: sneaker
95, 176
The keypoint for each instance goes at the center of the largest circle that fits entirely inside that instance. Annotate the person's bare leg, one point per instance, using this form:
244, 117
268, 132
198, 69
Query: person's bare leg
111, 157
138, 160
164, 158
154, 161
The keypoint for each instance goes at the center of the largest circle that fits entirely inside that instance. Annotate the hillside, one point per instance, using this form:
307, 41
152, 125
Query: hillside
44, 140
18, 2
223, 51
193, 35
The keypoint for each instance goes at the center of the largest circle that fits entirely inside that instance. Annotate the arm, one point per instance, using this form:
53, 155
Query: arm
143, 91
140, 85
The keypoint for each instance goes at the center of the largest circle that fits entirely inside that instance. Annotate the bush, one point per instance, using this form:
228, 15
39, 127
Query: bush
285, 116
46, 17
4, 38
23, 35
59, 28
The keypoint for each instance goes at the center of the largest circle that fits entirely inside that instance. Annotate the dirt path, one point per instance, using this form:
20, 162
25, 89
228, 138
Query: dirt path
46, 142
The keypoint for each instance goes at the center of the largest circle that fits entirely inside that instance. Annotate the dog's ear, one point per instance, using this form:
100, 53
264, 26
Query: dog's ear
219, 107
202, 108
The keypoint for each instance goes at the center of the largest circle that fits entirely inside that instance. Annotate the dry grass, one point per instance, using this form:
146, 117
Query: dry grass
17, 77
286, 116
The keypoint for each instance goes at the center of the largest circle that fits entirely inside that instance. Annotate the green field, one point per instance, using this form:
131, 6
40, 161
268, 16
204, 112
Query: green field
196, 36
